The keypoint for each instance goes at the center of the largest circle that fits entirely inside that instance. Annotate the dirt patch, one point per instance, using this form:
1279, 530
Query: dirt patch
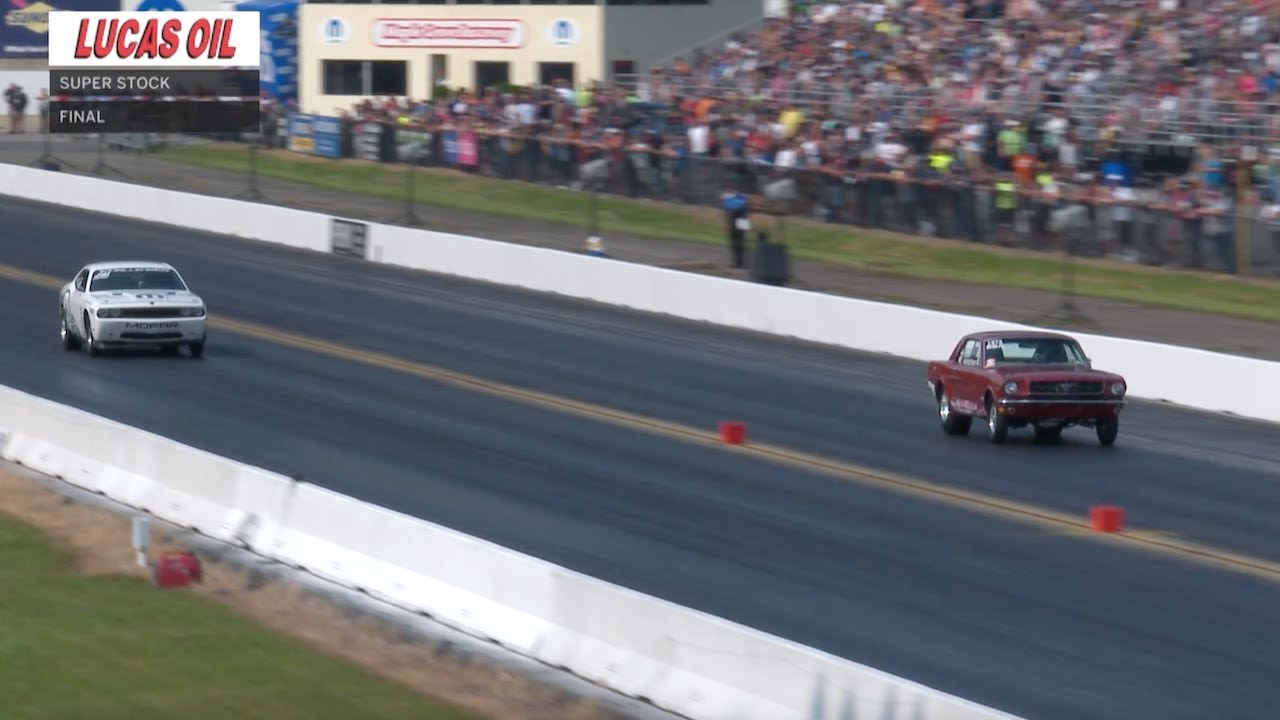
99, 541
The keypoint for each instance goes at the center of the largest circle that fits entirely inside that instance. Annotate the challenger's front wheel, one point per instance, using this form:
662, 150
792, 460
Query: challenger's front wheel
90, 343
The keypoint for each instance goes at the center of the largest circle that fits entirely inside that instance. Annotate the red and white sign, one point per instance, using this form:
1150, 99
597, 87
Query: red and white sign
407, 32
154, 39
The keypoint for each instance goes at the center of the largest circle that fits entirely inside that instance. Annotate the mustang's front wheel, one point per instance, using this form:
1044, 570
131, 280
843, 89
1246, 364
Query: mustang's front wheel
997, 424
1108, 429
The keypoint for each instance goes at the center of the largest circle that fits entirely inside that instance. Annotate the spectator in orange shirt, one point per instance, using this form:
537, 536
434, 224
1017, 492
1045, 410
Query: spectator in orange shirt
1024, 166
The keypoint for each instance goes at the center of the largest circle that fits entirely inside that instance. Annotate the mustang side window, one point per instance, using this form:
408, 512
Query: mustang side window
969, 356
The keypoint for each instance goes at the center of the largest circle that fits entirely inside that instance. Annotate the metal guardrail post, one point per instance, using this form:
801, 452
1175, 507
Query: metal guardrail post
1244, 235
410, 215
252, 192
102, 166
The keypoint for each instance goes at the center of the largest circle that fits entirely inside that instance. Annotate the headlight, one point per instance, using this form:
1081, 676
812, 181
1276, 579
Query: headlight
1117, 388
109, 312
1010, 387
192, 312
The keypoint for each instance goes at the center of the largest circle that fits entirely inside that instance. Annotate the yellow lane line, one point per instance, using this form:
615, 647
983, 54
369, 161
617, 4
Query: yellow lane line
1052, 520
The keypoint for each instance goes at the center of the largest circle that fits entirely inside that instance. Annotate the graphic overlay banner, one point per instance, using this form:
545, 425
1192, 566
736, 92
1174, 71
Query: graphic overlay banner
139, 84
155, 116
147, 72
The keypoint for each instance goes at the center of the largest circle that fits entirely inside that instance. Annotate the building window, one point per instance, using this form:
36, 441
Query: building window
389, 77
492, 75
343, 77
365, 77
550, 72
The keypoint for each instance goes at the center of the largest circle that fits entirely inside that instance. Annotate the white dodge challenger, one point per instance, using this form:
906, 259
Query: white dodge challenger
130, 304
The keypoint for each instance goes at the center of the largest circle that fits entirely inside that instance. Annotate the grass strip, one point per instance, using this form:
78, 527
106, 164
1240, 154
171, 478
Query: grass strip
108, 648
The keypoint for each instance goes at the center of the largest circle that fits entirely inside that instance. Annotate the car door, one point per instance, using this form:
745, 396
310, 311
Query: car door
967, 381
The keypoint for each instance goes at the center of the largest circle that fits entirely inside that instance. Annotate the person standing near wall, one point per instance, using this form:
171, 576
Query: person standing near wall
17, 101
43, 104
734, 203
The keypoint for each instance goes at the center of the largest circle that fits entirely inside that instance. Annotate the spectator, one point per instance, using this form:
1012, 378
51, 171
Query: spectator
16, 98
43, 100
954, 117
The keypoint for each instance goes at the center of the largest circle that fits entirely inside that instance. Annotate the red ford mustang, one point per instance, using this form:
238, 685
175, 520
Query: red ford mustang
1013, 379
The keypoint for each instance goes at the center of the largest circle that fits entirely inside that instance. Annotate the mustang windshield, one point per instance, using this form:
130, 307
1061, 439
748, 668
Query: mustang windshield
1033, 351
136, 279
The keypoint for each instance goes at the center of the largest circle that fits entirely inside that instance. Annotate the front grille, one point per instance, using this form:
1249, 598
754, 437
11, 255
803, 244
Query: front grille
1065, 388
151, 312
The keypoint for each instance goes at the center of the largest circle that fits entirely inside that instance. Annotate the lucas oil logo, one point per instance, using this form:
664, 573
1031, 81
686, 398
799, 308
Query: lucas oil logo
33, 17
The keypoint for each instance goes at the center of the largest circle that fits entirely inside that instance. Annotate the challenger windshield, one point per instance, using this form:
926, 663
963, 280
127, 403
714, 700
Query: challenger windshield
136, 279
1034, 351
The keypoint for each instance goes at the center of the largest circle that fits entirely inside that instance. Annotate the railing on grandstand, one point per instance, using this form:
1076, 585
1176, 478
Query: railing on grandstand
959, 208
711, 44
1143, 119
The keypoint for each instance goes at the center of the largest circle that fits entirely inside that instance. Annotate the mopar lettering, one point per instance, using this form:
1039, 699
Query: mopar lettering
150, 325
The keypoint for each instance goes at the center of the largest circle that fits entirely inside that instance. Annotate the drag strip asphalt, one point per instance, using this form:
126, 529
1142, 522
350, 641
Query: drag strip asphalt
1035, 622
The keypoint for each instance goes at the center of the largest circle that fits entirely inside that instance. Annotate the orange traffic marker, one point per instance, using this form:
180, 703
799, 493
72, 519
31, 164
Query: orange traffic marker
1105, 518
733, 433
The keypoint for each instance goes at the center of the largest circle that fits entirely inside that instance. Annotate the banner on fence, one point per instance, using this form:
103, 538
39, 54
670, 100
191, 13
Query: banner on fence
413, 146
315, 135
367, 138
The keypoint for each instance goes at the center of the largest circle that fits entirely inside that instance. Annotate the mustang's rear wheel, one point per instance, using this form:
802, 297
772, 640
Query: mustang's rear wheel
952, 422
997, 424
1108, 429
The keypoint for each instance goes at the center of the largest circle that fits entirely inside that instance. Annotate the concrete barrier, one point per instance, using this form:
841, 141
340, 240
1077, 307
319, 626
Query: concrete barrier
254, 221
684, 661
1195, 378
181, 484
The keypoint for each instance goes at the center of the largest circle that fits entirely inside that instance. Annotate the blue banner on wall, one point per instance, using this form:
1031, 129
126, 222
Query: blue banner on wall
24, 33
279, 46
449, 142
315, 135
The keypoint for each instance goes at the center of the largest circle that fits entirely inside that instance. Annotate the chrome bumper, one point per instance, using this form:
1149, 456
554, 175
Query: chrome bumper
1047, 401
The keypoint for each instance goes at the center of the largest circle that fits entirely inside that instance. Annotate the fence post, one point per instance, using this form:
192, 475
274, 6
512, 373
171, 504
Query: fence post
1244, 232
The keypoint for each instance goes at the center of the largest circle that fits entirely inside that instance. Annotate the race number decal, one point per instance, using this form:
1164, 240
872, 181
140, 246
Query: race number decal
994, 343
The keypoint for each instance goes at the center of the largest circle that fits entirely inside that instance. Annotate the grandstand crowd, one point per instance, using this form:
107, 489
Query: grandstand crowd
879, 111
